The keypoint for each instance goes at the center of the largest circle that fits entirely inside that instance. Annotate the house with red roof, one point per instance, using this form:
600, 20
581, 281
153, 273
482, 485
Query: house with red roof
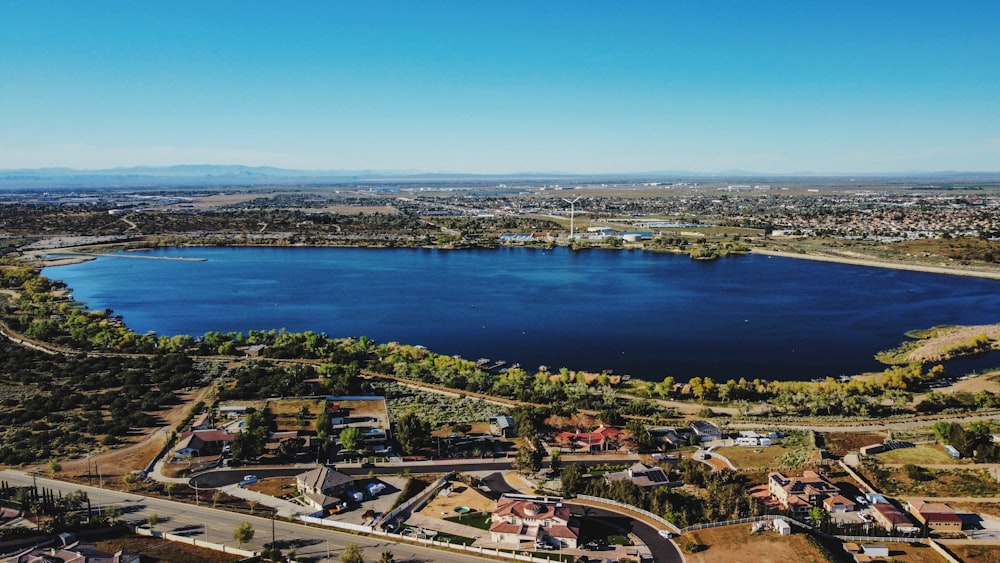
936, 515
799, 494
202, 442
536, 519
601, 439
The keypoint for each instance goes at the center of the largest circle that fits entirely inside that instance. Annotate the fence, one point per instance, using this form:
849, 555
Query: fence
421, 497
194, 541
645, 513
747, 520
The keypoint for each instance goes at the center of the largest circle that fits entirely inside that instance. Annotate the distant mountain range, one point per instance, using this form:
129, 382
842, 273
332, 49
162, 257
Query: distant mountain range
193, 175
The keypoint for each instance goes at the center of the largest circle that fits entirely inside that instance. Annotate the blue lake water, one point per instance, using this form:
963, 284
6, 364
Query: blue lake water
645, 314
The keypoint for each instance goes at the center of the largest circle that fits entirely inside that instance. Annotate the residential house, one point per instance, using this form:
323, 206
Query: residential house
936, 516
799, 494
891, 518
640, 474
202, 442
202, 421
525, 518
838, 503
601, 439
705, 430
77, 552
672, 437
367, 413
502, 426
323, 487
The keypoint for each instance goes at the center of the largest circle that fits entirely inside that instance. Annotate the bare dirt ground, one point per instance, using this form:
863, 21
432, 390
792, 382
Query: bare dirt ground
736, 544
125, 459
462, 495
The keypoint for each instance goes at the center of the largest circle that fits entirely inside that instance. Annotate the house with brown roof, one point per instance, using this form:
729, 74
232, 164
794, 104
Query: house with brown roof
202, 442
526, 518
77, 552
935, 515
799, 494
323, 487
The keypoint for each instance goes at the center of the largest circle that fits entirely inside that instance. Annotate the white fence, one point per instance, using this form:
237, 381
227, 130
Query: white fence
646, 513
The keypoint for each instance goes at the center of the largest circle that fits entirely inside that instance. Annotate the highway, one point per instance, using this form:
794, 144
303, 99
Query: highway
311, 544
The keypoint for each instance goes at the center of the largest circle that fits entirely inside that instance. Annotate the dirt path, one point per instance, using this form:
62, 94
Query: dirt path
861, 260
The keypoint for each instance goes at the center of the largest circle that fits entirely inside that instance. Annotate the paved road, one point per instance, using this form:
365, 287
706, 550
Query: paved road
311, 544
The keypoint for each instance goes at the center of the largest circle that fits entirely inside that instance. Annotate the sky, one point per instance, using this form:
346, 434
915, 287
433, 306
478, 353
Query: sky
510, 86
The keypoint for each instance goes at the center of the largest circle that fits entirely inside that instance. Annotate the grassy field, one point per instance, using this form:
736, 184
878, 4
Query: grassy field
286, 413
736, 544
921, 454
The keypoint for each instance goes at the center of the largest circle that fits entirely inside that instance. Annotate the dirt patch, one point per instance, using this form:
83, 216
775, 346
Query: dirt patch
462, 495
840, 443
736, 544
156, 550
947, 339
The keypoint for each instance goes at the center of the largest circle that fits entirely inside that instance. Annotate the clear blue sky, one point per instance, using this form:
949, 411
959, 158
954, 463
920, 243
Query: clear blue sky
503, 86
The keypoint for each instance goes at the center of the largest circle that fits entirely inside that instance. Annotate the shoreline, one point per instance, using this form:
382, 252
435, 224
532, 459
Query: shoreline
879, 264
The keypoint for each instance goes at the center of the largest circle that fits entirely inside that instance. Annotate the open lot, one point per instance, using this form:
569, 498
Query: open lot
747, 457
840, 443
977, 553
921, 454
736, 544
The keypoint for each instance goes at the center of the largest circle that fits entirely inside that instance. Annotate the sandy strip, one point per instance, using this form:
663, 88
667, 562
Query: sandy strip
880, 264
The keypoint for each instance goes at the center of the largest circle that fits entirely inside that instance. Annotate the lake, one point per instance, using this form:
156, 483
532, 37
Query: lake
640, 313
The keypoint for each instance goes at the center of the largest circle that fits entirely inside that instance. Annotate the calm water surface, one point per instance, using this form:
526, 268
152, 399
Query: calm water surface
645, 314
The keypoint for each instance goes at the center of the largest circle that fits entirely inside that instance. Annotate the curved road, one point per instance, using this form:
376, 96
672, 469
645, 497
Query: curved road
662, 550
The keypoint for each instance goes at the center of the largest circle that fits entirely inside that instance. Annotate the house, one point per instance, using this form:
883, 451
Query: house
502, 426
705, 430
838, 503
202, 442
640, 474
526, 518
202, 422
891, 518
367, 413
673, 437
597, 441
936, 516
799, 494
323, 487
77, 552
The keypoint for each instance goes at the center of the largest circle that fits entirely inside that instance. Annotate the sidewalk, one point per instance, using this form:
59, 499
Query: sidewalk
284, 508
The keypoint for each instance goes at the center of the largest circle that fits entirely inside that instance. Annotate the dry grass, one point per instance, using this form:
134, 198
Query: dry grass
978, 553
840, 443
275, 486
736, 544
914, 553
945, 339
921, 454
763, 457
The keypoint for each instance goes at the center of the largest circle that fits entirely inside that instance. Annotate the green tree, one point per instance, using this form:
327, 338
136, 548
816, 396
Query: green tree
54, 467
555, 461
412, 433
152, 519
243, 533
572, 479
353, 553
350, 438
